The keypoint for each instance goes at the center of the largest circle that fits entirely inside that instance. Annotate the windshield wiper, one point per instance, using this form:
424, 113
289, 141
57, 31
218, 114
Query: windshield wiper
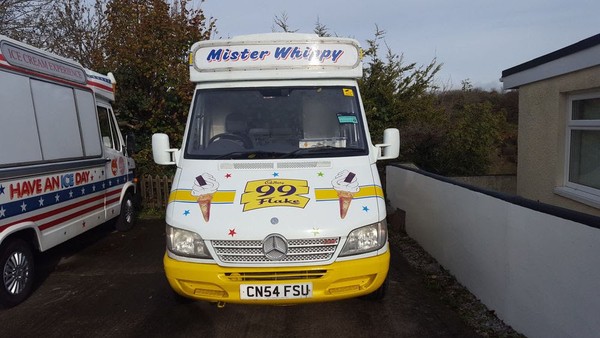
322, 151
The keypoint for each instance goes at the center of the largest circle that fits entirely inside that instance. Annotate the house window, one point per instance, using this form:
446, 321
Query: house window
583, 148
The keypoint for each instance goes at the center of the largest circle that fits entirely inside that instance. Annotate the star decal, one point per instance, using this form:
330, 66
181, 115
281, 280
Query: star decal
320, 174
23, 207
232, 232
1, 189
316, 231
41, 200
275, 174
185, 213
365, 208
2, 212
228, 175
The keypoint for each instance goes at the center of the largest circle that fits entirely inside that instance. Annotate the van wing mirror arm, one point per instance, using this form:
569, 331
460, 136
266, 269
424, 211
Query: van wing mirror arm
390, 148
173, 154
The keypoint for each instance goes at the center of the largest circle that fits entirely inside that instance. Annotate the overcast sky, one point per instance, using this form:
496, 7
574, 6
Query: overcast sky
473, 39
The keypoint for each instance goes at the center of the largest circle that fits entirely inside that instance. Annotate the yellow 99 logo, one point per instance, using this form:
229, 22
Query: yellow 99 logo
275, 193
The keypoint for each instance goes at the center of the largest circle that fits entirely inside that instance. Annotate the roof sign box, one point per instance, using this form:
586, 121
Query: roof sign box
320, 55
21, 57
102, 85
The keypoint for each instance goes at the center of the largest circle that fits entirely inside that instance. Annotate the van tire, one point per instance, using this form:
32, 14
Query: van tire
128, 214
379, 294
18, 271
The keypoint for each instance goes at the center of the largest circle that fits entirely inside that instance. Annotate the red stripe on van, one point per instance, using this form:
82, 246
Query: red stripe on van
64, 219
99, 85
43, 76
53, 212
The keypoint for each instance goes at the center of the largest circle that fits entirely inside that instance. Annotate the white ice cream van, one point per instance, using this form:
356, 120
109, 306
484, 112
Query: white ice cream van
276, 197
64, 165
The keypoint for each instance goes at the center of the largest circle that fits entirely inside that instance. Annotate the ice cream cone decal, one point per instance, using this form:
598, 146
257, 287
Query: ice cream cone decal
345, 199
204, 202
204, 189
346, 185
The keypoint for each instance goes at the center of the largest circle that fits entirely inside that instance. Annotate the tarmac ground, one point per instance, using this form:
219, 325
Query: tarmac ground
106, 283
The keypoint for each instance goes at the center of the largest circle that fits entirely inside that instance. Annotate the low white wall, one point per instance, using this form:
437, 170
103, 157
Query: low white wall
539, 272
501, 183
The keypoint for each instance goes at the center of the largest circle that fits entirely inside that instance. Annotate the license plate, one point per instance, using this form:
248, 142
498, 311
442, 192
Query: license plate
276, 291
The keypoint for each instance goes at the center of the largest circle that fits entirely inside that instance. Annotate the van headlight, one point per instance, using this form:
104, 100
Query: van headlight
368, 238
186, 243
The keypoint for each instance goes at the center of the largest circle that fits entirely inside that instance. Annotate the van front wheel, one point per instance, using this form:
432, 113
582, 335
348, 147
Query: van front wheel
17, 268
379, 294
127, 216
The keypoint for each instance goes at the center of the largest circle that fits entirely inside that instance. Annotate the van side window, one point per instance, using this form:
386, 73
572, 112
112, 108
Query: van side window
19, 140
113, 128
57, 121
108, 130
88, 123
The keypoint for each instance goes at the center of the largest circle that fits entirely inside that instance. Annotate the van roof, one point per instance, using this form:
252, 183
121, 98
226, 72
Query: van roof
21, 57
274, 56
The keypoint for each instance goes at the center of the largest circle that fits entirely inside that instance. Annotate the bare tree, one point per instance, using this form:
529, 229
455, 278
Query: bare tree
77, 30
281, 21
70, 28
23, 19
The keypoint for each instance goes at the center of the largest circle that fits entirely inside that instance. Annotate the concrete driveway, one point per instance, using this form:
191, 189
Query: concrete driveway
108, 284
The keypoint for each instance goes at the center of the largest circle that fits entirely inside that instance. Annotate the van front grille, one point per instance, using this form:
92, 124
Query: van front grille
299, 251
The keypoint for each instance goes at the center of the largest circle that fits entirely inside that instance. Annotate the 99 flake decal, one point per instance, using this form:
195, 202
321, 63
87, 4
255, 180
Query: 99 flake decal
275, 193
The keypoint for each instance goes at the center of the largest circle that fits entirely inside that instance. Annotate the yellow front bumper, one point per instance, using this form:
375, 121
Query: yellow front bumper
336, 281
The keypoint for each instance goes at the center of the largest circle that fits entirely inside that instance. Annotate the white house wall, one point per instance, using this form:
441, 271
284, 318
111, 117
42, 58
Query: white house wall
539, 272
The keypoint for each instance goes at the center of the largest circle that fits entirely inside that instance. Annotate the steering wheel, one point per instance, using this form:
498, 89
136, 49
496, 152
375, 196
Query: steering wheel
234, 137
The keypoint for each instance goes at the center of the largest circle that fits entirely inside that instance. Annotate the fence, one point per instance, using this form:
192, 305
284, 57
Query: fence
155, 191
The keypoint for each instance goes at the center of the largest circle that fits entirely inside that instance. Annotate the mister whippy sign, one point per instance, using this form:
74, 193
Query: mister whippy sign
265, 56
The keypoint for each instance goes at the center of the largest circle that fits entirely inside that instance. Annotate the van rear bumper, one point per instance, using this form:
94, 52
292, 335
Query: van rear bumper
340, 280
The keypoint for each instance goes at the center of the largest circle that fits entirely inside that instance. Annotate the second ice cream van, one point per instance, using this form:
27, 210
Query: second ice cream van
65, 167
276, 197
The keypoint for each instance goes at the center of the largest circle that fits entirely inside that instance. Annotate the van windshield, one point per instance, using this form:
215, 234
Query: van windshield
276, 122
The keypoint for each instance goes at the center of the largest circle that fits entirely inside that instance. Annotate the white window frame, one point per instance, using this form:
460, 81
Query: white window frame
581, 193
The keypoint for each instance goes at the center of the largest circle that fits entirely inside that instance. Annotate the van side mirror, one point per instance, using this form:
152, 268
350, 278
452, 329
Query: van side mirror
130, 143
390, 148
161, 150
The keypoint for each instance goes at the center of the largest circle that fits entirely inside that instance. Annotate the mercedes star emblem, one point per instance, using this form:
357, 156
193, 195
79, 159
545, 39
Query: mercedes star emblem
275, 247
